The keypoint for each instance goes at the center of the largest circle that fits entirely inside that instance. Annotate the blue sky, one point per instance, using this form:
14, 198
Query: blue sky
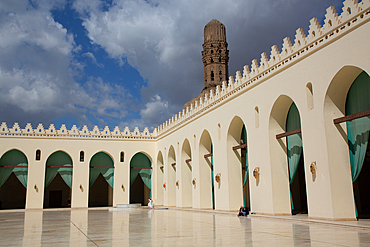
130, 62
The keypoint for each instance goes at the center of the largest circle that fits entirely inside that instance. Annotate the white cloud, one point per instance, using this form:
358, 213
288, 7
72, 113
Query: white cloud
93, 59
163, 39
38, 66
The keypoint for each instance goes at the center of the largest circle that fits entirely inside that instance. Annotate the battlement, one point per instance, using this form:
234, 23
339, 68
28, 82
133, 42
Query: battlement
354, 14
74, 132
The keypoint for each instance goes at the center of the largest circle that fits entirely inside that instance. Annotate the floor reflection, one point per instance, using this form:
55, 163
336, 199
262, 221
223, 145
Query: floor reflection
143, 227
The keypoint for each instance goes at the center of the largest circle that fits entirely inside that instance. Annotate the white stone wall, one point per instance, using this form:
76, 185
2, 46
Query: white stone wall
314, 71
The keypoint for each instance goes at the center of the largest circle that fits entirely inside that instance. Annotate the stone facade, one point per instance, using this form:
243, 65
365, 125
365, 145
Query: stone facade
196, 156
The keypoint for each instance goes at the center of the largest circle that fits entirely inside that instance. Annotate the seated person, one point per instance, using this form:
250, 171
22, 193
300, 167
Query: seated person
150, 204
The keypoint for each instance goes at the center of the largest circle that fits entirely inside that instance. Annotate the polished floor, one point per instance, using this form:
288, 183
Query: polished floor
144, 227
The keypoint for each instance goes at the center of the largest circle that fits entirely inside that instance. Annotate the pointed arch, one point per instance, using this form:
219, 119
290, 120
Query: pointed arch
237, 160
58, 180
186, 174
170, 181
159, 179
101, 179
205, 183
13, 179
140, 178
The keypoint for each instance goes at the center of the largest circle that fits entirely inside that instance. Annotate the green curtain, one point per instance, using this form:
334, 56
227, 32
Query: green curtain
65, 173
145, 175
14, 158
21, 174
244, 131
294, 144
101, 159
141, 160
59, 158
358, 100
4, 174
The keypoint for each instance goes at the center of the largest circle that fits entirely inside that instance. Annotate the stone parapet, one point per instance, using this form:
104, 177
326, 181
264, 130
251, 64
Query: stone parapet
74, 132
335, 26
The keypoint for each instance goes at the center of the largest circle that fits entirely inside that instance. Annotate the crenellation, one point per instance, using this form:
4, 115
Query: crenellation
254, 67
63, 130
74, 130
350, 8
116, 131
16, 129
238, 78
85, 131
300, 39
40, 129
51, 130
314, 30
28, 129
331, 19
136, 132
126, 131
287, 47
264, 61
224, 88
4, 128
246, 72
145, 132
230, 85
206, 99
275, 54
218, 92
95, 131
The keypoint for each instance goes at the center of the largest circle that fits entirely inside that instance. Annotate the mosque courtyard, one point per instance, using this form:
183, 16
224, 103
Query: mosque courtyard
172, 227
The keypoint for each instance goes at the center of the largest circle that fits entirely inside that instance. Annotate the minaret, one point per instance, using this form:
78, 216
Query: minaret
215, 58
215, 55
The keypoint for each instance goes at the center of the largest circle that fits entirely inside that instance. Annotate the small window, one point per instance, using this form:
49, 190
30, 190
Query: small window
38, 154
82, 156
219, 51
211, 51
212, 76
211, 60
219, 60
122, 157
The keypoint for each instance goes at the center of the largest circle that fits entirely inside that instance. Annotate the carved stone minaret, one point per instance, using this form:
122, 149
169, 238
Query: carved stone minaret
215, 58
215, 55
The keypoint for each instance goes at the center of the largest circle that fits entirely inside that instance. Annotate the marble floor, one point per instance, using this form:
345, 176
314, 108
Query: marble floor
143, 227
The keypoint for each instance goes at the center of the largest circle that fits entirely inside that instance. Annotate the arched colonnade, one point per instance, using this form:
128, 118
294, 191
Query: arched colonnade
220, 167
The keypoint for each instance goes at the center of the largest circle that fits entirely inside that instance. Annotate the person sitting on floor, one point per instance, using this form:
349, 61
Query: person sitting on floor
150, 204
243, 211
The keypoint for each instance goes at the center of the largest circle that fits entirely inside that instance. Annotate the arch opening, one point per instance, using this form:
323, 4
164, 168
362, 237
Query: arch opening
101, 180
237, 150
297, 179
58, 180
13, 180
206, 183
140, 179
170, 183
286, 158
160, 179
186, 174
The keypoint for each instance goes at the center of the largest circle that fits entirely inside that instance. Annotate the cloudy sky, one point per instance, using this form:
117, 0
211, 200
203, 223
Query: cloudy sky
126, 62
